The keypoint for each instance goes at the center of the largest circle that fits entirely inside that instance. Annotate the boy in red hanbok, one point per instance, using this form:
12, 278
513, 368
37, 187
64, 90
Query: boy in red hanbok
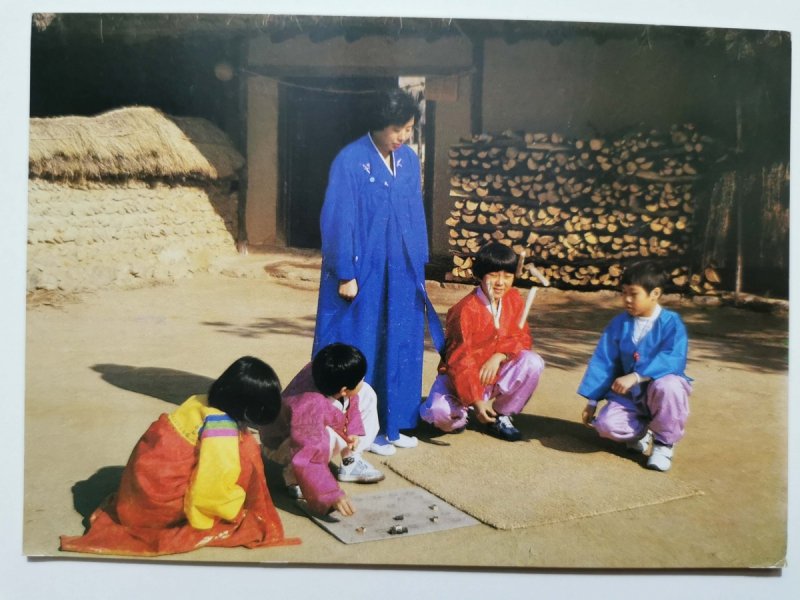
488, 366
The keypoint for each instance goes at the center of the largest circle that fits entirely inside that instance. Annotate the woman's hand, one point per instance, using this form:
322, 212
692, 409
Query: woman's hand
489, 369
348, 289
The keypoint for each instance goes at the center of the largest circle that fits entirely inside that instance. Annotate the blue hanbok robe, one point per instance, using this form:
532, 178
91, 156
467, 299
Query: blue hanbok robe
661, 352
373, 230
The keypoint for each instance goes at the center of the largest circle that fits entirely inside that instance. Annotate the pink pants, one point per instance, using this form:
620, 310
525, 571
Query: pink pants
661, 405
516, 381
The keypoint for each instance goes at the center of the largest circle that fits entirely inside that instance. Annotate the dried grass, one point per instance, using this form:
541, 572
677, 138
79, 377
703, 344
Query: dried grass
130, 143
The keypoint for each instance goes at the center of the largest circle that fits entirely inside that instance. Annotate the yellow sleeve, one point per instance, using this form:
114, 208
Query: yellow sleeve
213, 491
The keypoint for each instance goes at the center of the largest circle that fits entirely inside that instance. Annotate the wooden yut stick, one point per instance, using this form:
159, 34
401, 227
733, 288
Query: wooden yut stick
532, 294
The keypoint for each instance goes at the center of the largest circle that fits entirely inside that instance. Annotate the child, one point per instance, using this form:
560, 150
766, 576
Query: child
196, 477
328, 410
488, 365
638, 367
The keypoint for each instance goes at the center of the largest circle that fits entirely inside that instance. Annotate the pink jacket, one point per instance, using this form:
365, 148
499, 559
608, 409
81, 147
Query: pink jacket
305, 414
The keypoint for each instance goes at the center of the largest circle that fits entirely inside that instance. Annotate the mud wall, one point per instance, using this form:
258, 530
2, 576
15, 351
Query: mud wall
92, 236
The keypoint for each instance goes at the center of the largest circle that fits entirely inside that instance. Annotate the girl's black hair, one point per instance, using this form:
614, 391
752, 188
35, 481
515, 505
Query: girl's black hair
646, 275
393, 107
337, 366
494, 257
248, 391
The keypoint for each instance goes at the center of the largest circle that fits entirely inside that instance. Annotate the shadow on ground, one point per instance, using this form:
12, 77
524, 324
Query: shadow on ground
89, 494
170, 385
553, 433
567, 436
277, 489
302, 326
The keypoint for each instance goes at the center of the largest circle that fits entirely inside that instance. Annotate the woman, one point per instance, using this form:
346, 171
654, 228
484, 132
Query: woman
374, 249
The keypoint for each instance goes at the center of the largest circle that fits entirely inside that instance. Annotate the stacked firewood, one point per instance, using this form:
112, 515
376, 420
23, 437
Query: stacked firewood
580, 210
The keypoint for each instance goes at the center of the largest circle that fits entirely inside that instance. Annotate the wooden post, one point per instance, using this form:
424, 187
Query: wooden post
739, 200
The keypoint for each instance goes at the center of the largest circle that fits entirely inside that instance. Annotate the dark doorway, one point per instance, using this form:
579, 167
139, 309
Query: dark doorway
318, 116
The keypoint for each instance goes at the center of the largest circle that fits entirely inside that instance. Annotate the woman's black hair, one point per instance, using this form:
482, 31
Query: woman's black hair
248, 391
337, 366
494, 257
646, 275
393, 107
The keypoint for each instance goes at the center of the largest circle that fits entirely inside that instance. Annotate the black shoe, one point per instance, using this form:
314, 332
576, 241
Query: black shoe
293, 491
504, 429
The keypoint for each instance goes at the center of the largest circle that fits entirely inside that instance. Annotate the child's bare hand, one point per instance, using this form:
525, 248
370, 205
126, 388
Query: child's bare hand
484, 412
622, 384
344, 506
489, 369
587, 415
348, 289
352, 441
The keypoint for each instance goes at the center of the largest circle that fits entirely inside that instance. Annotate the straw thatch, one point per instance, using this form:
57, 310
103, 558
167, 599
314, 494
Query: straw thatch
130, 143
143, 27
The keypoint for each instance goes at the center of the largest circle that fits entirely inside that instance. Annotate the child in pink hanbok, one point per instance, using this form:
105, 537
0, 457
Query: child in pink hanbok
328, 412
488, 366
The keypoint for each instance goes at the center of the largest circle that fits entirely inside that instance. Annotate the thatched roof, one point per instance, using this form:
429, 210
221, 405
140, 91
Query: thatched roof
130, 143
137, 28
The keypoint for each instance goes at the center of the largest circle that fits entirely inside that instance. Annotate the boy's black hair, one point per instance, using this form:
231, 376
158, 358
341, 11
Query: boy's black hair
337, 366
494, 257
393, 107
248, 390
646, 275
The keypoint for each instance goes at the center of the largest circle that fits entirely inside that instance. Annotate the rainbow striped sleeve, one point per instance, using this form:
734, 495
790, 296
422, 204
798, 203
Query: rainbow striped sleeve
214, 492
219, 426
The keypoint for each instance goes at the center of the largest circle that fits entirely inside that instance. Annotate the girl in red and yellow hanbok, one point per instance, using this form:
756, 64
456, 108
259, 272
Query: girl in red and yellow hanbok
196, 476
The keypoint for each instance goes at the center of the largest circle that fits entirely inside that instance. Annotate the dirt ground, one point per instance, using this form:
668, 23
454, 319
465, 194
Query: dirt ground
107, 363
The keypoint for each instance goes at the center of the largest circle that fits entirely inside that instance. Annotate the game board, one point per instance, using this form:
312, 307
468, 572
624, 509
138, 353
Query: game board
392, 514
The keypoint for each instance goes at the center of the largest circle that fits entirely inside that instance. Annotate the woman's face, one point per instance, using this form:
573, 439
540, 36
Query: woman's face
390, 138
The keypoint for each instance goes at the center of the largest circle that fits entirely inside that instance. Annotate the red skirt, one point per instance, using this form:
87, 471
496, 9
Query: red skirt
146, 518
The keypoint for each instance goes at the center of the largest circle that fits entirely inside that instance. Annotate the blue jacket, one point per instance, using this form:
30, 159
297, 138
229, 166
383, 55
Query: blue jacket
661, 352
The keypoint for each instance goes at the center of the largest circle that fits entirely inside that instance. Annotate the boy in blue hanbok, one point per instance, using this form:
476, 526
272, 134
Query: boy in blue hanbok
638, 368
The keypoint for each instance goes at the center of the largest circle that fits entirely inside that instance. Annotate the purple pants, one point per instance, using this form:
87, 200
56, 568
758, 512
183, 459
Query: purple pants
516, 381
661, 405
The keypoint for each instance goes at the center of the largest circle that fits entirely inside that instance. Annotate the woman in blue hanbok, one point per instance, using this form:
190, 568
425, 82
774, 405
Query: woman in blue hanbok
374, 249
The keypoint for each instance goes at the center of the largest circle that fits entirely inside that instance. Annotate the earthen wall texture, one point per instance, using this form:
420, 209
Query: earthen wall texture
91, 236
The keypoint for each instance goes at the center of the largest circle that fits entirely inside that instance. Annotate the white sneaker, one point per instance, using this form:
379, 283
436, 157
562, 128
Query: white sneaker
405, 442
642, 444
661, 458
381, 447
356, 469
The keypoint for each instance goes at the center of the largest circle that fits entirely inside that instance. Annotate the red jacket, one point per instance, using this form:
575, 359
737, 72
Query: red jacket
472, 339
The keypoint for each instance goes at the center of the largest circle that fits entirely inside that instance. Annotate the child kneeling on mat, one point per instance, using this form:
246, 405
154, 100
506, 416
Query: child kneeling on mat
638, 368
488, 365
327, 411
